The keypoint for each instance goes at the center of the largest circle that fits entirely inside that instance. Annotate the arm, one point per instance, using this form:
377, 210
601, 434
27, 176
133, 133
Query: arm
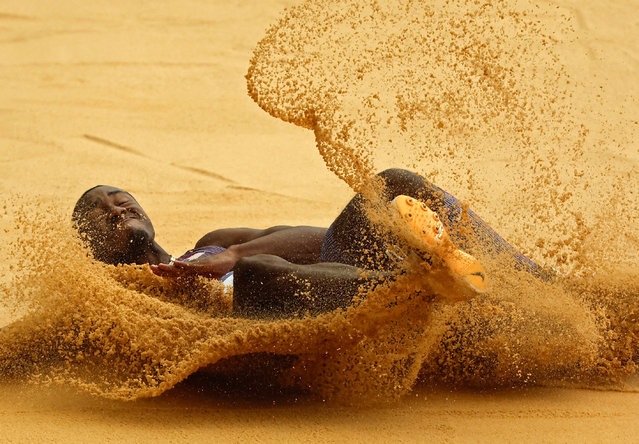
300, 245
226, 237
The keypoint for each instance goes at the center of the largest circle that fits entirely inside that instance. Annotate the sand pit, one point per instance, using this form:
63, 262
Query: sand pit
153, 99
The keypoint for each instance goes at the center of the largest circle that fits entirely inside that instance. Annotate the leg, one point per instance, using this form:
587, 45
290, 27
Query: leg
359, 243
352, 239
267, 286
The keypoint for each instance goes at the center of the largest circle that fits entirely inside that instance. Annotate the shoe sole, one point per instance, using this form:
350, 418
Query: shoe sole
433, 239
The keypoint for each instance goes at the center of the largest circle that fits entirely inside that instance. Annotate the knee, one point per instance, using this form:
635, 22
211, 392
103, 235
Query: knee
259, 262
401, 181
260, 266
396, 174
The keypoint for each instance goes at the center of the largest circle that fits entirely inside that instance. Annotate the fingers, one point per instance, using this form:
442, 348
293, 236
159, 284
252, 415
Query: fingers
160, 272
179, 269
182, 265
173, 270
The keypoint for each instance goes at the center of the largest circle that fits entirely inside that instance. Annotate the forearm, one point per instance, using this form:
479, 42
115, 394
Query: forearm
226, 237
301, 245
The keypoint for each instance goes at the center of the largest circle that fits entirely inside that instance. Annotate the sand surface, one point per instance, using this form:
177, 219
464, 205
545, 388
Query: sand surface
152, 97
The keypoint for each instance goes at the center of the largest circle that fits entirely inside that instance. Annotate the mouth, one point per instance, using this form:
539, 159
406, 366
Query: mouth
128, 217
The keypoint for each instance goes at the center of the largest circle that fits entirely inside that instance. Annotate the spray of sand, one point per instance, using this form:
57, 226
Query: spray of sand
437, 87
445, 86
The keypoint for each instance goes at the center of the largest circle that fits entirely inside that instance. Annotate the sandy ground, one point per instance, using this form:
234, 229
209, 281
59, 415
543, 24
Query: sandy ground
185, 414
151, 97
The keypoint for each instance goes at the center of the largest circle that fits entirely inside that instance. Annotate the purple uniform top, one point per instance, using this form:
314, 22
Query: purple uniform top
209, 250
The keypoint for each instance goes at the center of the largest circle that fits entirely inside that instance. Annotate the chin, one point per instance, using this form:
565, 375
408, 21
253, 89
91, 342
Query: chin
137, 237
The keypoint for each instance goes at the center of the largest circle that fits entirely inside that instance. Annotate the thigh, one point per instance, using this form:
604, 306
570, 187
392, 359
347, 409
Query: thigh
353, 239
267, 286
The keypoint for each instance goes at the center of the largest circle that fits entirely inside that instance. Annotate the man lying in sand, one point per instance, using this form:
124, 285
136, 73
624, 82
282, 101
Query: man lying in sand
269, 267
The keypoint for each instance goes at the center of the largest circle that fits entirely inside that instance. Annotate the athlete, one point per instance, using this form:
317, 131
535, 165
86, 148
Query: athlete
268, 267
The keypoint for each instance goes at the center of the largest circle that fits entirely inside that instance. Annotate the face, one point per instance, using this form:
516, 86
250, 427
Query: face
116, 226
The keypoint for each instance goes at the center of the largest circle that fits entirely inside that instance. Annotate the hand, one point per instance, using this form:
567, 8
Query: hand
213, 266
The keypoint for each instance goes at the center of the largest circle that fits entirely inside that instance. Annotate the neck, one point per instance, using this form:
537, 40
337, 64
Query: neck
151, 253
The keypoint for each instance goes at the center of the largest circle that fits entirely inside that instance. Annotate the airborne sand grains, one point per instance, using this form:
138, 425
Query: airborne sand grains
437, 88
442, 86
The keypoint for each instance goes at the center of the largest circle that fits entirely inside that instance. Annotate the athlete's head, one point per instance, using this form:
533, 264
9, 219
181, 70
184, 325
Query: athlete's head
114, 225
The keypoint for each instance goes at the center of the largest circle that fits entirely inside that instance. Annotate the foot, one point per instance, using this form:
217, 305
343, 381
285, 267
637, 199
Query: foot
431, 238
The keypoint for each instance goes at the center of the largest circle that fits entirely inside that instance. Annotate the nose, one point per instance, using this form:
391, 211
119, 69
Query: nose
116, 212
